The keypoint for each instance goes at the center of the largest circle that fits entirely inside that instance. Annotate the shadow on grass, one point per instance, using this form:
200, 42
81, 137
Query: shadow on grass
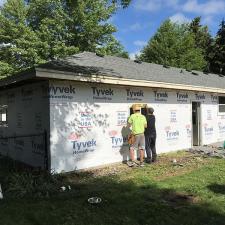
217, 188
123, 202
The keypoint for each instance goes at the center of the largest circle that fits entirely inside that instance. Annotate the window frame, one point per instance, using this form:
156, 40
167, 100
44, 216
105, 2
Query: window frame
3, 112
223, 104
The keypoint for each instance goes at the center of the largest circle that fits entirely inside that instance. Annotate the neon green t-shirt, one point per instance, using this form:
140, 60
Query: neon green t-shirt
138, 122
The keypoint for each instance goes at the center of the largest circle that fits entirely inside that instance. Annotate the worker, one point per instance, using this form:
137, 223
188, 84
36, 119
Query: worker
150, 136
138, 123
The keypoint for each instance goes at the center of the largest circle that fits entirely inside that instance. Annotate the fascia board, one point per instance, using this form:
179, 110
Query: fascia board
61, 75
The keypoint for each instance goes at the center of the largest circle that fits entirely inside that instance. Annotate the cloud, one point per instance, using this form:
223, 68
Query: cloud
2, 2
154, 5
209, 20
136, 27
140, 43
132, 27
111, 19
179, 18
207, 8
133, 55
148, 5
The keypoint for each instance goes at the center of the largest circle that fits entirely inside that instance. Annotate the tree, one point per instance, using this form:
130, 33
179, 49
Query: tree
173, 45
113, 47
217, 56
202, 37
201, 34
41, 30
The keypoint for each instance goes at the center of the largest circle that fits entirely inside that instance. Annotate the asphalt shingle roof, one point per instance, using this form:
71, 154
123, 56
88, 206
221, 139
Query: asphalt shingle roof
87, 63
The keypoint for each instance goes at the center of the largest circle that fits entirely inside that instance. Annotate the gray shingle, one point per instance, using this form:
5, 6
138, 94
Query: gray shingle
89, 63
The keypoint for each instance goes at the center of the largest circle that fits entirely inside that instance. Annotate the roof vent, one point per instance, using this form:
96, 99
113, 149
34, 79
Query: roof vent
166, 66
194, 73
181, 71
99, 54
137, 61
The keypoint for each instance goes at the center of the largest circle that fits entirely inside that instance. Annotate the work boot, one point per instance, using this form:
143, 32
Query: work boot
131, 163
148, 160
154, 160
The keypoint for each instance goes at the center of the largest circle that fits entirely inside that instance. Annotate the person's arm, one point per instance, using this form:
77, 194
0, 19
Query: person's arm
129, 122
145, 123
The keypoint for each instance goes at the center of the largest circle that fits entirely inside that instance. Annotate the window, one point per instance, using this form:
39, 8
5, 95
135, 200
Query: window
4, 115
222, 104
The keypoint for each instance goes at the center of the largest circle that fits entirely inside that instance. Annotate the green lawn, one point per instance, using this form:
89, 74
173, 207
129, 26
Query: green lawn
192, 193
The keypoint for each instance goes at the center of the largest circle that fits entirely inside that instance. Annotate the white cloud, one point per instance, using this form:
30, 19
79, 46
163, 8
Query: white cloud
140, 43
110, 20
208, 20
207, 8
133, 54
179, 18
154, 5
132, 27
2, 2
148, 5
136, 27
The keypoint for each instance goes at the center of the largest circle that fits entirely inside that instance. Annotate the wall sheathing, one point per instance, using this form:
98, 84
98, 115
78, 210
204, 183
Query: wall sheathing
88, 122
28, 117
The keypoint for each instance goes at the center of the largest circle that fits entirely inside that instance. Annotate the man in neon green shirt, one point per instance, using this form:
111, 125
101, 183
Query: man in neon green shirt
138, 123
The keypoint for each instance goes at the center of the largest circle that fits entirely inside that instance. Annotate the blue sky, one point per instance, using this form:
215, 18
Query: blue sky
140, 20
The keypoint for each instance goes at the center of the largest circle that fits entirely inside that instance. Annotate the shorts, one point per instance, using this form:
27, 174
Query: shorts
139, 142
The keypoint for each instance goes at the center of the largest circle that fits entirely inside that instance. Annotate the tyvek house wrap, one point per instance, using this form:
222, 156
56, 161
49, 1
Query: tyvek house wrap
88, 122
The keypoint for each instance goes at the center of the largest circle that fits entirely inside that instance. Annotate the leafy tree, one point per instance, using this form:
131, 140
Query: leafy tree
113, 47
173, 45
201, 34
40, 30
202, 37
217, 55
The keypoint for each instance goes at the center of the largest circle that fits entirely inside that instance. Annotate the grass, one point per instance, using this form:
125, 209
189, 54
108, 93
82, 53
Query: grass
189, 193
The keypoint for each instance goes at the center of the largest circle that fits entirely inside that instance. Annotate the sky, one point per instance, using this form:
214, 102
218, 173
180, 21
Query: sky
138, 23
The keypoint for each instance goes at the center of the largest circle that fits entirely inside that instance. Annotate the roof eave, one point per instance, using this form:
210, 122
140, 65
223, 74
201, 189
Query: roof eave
106, 79
17, 78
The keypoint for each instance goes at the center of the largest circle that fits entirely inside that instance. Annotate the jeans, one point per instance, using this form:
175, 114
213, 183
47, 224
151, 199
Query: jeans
150, 147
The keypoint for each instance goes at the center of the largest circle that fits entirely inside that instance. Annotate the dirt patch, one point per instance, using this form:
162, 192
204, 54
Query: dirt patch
162, 169
111, 170
179, 200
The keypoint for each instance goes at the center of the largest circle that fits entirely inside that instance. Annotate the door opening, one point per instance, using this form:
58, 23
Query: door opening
196, 118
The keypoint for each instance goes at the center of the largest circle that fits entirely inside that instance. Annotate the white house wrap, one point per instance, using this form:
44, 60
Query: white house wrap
81, 106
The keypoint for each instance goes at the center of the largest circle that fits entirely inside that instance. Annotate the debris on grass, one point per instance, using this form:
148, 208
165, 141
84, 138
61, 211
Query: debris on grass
208, 151
94, 200
1, 194
174, 161
63, 188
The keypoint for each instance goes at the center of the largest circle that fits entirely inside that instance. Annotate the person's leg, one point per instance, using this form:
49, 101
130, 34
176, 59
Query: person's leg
148, 148
133, 147
142, 154
132, 153
153, 149
142, 147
